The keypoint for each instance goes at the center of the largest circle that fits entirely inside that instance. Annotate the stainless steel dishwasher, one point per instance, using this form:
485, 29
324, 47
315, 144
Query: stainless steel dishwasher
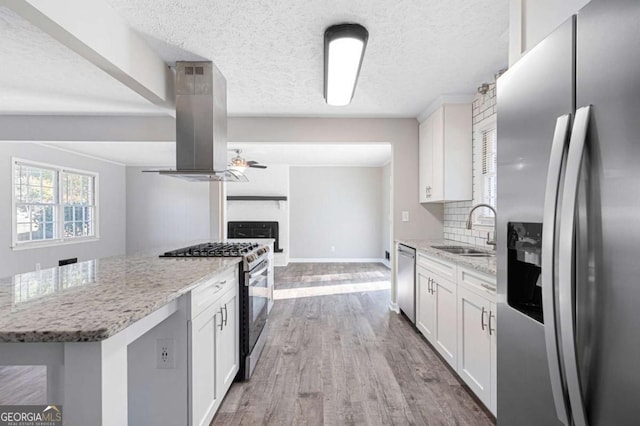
407, 281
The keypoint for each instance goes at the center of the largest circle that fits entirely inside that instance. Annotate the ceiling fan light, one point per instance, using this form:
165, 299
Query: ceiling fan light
344, 47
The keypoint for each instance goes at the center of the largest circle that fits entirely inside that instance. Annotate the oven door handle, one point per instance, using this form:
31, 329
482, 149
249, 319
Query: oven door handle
261, 271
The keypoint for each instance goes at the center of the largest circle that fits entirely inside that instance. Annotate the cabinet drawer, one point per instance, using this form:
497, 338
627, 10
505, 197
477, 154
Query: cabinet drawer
441, 267
211, 290
478, 282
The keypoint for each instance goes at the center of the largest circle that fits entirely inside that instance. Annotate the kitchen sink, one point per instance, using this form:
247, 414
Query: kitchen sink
464, 251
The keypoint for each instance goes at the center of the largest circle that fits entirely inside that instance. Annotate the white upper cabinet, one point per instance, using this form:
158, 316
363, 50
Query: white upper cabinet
445, 147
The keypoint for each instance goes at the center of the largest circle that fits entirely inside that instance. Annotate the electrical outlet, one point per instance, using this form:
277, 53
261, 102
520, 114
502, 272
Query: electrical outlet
405, 216
37, 267
165, 353
333, 248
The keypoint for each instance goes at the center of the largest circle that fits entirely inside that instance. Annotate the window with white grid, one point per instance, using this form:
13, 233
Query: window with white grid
52, 204
488, 175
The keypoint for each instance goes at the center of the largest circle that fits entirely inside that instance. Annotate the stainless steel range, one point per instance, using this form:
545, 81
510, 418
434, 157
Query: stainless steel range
255, 294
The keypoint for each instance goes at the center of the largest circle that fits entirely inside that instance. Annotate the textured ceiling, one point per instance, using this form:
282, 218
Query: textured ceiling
40, 75
162, 154
271, 52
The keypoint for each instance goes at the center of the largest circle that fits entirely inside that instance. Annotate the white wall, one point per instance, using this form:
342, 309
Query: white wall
273, 180
336, 213
163, 211
402, 133
530, 21
387, 220
112, 210
425, 221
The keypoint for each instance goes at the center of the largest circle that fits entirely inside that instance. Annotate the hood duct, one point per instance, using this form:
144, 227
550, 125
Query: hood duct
201, 124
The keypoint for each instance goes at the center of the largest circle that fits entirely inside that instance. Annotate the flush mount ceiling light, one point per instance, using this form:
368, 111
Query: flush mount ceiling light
344, 46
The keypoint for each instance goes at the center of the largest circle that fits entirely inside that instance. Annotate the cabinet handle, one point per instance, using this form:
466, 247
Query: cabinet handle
221, 321
223, 282
226, 315
433, 288
488, 287
482, 324
491, 329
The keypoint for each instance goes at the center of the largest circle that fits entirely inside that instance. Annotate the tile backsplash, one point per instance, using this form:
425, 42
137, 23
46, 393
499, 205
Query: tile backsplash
455, 225
455, 213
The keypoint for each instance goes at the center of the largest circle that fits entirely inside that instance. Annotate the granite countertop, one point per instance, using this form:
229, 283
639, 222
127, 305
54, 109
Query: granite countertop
482, 264
93, 300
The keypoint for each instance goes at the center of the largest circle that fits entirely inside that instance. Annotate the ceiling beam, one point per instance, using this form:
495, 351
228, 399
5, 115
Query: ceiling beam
92, 29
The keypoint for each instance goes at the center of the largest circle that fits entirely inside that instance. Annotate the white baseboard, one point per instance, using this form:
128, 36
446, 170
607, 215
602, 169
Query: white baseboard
335, 260
386, 263
394, 307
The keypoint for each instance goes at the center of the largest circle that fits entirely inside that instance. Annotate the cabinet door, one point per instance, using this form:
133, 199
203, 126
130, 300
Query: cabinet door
475, 343
446, 319
425, 306
227, 355
204, 345
493, 313
425, 155
437, 154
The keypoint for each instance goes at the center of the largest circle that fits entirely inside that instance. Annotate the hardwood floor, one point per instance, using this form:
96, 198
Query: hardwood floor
297, 275
23, 385
347, 360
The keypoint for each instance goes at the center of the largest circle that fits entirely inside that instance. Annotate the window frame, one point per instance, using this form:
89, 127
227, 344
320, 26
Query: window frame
58, 209
482, 220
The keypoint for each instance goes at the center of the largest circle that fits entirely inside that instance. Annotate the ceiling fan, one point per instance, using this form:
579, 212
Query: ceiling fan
241, 163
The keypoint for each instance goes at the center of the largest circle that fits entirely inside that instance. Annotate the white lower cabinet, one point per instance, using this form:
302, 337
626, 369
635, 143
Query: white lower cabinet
436, 312
214, 348
456, 312
425, 304
204, 348
227, 359
477, 345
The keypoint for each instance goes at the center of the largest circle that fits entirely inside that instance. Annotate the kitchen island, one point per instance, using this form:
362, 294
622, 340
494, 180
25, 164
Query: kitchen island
85, 322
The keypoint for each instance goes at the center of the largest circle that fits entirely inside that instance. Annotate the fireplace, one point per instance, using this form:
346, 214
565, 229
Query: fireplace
252, 230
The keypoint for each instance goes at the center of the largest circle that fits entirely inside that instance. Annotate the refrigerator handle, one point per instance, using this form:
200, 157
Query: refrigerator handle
549, 234
566, 268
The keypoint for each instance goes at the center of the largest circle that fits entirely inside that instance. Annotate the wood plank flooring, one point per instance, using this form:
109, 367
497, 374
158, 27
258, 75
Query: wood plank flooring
347, 360
297, 275
23, 385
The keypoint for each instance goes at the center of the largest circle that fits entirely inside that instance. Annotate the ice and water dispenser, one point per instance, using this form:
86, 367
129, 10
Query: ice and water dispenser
524, 282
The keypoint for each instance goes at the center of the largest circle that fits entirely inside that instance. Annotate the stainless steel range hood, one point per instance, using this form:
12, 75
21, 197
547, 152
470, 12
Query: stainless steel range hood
201, 124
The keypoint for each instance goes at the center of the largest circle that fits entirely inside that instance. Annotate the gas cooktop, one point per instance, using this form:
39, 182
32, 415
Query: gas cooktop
213, 250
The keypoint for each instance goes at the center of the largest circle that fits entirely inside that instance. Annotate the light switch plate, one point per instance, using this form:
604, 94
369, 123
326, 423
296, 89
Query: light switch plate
405, 216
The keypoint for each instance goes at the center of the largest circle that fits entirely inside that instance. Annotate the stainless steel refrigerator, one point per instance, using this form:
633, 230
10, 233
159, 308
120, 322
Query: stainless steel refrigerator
569, 224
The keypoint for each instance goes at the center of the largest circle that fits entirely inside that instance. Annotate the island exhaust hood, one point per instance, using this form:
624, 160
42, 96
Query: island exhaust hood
201, 125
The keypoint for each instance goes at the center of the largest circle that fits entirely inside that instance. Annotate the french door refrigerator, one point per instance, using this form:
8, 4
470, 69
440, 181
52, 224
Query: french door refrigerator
569, 224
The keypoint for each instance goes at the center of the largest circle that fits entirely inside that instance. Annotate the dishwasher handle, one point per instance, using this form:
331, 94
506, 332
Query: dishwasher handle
406, 251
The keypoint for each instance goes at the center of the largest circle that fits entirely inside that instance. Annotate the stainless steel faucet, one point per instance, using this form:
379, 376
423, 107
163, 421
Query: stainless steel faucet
495, 218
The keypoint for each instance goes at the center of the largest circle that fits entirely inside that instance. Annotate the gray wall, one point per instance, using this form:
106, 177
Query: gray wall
163, 211
273, 180
112, 210
337, 207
